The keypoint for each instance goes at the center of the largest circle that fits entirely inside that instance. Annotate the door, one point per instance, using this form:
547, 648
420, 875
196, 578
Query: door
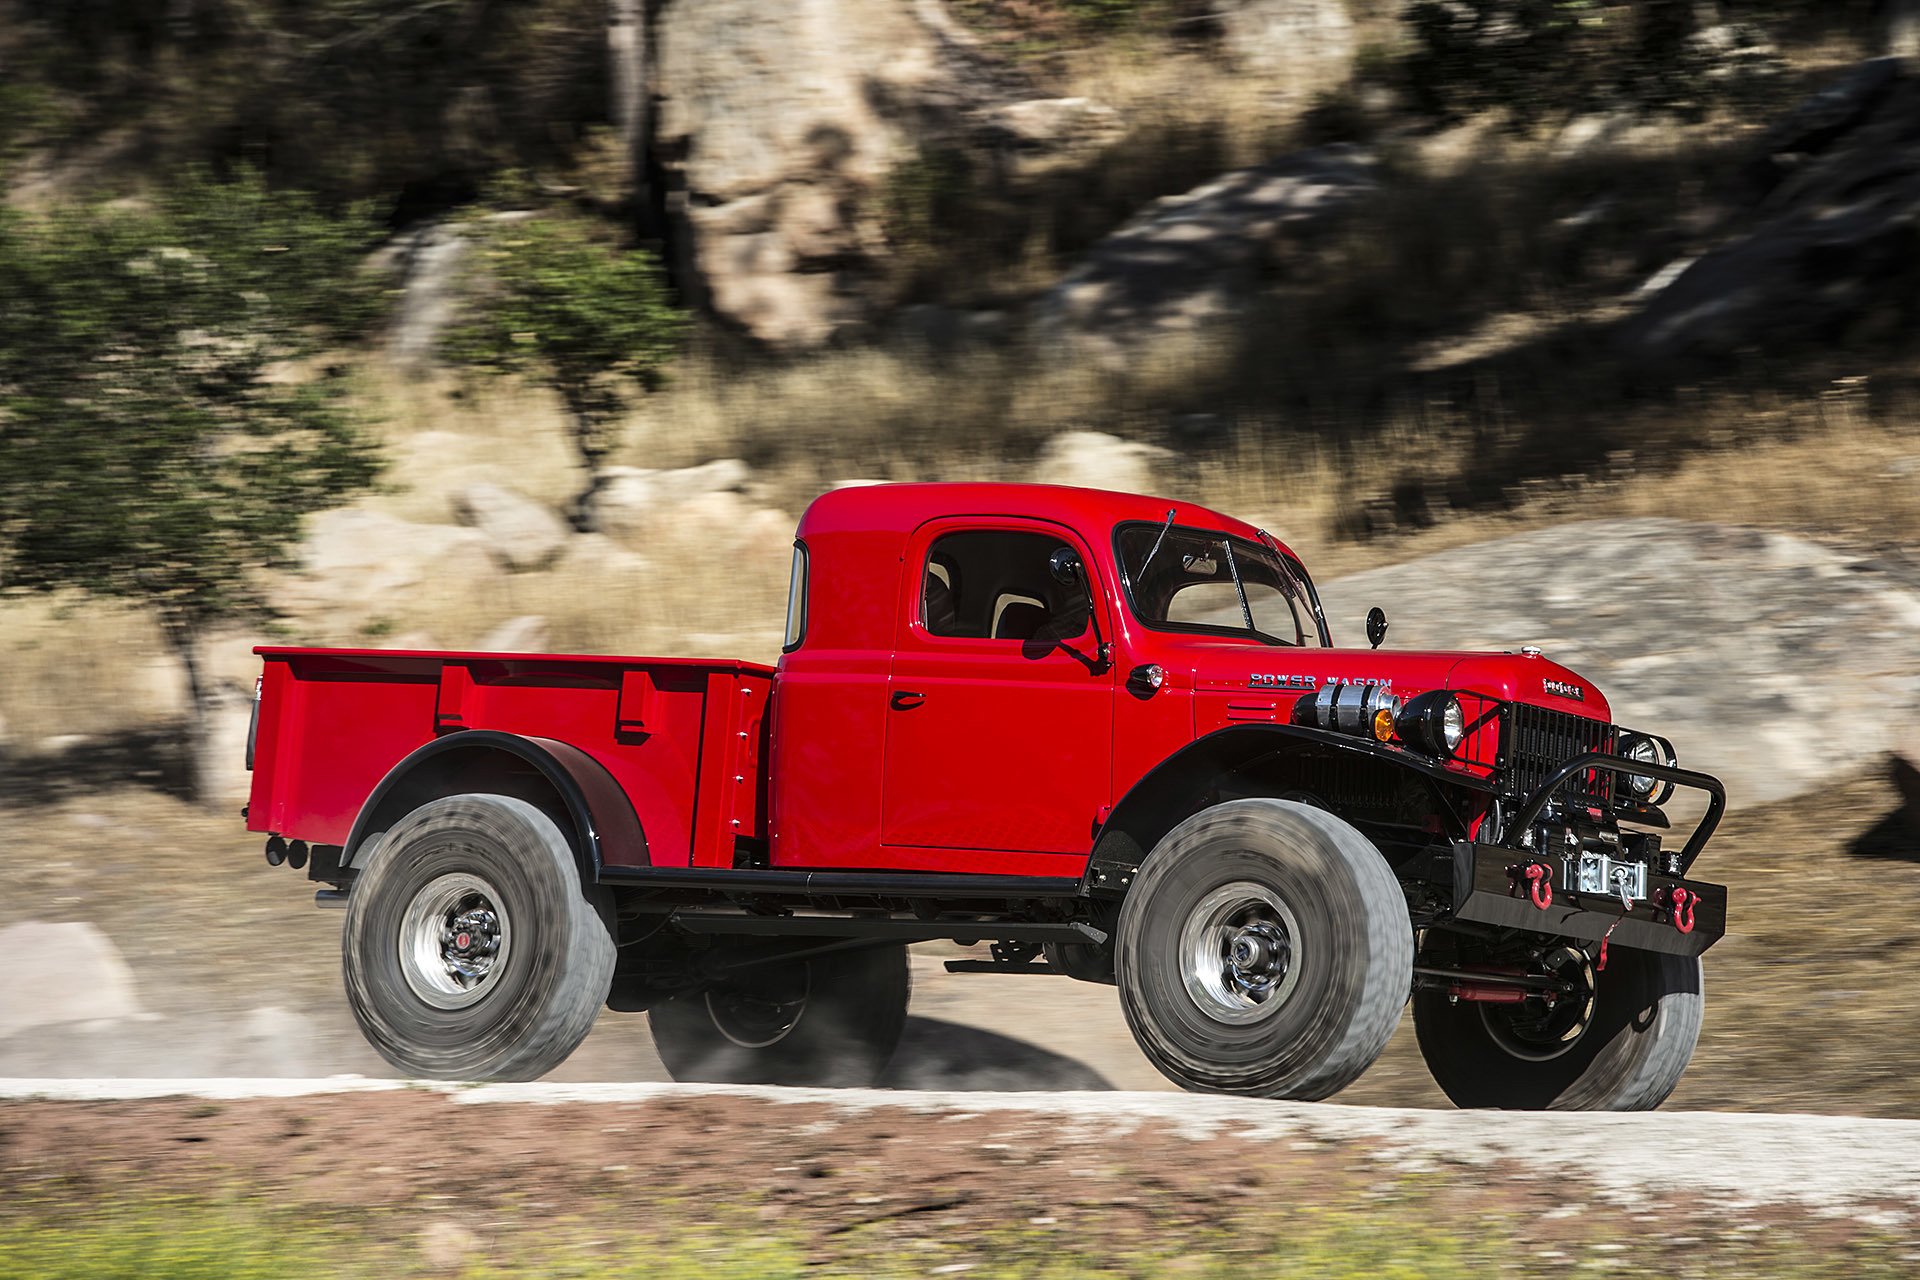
1000, 706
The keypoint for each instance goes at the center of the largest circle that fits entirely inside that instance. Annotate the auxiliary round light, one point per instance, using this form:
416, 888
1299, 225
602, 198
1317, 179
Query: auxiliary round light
1646, 751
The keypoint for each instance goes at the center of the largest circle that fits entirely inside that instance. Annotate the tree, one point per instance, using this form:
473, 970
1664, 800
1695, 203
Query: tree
157, 442
591, 322
628, 57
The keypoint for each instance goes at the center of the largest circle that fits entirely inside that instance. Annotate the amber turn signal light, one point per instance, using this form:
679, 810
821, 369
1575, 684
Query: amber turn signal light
1383, 723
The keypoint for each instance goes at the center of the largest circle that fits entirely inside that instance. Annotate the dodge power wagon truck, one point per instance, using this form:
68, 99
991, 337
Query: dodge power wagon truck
1108, 734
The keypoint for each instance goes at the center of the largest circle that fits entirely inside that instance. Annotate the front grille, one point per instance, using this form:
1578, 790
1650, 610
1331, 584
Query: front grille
1538, 741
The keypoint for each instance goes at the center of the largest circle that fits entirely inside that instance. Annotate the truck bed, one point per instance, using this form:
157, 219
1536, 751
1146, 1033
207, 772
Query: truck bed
685, 737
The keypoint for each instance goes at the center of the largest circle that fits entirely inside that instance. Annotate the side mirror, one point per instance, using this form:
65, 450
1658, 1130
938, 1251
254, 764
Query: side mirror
1065, 566
1376, 626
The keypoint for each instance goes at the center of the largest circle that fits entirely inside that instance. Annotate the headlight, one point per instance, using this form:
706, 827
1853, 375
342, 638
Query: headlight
1647, 749
1646, 753
1434, 722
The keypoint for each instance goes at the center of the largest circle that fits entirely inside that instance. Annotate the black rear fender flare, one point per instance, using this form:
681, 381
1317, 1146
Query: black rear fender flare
583, 797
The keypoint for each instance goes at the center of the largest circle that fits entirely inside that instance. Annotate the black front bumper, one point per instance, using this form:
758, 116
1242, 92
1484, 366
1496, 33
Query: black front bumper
1491, 887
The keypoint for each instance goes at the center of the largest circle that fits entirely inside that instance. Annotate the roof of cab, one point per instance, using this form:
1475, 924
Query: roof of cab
901, 508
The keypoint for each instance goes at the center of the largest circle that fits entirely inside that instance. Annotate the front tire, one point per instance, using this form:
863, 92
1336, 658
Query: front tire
1264, 949
473, 948
826, 1020
1620, 1045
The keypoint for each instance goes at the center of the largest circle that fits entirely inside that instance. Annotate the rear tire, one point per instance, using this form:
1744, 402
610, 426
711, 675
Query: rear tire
828, 1020
473, 948
1264, 949
1623, 1051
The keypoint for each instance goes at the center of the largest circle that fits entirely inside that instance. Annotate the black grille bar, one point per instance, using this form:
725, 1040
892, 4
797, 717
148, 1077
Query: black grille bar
1540, 741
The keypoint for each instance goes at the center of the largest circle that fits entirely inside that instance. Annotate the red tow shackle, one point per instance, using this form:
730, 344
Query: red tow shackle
1682, 901
1540, 886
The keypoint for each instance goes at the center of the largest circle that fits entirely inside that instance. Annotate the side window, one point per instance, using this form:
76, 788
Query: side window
990, 584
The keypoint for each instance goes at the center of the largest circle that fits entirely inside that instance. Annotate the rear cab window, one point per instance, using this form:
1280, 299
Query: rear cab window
796, 601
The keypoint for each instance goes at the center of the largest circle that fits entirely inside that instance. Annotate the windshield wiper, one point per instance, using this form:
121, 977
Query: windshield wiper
1239, 587
1164, 530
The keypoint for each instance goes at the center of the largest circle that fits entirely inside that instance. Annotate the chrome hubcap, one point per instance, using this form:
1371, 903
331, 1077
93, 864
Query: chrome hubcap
1236, 953
454, 938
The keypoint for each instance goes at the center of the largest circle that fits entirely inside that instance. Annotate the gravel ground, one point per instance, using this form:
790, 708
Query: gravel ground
1829, 1164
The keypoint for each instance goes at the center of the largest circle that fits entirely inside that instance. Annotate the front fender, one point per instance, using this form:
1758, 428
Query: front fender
1172, 789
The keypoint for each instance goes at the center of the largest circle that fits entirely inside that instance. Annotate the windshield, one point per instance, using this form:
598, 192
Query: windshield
1183, 579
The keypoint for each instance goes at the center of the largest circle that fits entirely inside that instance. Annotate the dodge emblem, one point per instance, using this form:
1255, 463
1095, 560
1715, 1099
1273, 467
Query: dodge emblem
1565, 689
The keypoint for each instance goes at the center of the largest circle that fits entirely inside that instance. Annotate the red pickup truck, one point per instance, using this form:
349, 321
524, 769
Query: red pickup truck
1109, 734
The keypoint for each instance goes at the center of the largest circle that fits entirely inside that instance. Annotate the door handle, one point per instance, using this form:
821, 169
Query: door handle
905, 700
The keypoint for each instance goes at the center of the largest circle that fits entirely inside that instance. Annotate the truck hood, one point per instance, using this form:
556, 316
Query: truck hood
1228, 667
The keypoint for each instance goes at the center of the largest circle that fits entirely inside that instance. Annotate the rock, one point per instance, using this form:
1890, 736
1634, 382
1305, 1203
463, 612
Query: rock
3, 732
61, 973
786, 118
1094, 460
781, 125
525, 634
352, 554
1190, 260
521, 534
1033, 136
60, 743
1304, 45
1770, 661
631, 499
1821, 247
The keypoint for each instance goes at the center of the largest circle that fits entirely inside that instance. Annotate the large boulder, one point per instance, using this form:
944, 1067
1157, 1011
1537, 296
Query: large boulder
1771, 661
783, 128
1820, 244
780, 124
1190, 261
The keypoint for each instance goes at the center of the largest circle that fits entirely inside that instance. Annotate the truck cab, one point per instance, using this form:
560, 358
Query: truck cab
1109, 733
